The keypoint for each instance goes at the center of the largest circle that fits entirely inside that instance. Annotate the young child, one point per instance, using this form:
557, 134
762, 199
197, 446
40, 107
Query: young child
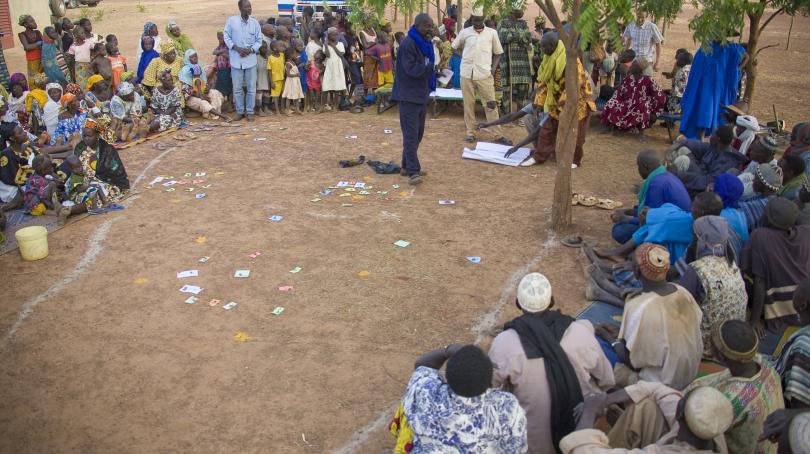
118, 62
80, 52
99, 63
292, 84
42, 188
263, 80
607, 71
302, 68
333, 79
623, 68
680, 76
53, 61
81, 194
314, 72
222, 64
127, 111
275, 64
381, 53
398, 37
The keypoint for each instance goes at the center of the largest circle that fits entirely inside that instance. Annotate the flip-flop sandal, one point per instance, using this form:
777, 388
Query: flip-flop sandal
184, 136
577, 241
114, 207
588, 201
160, 146
608, 204
576, 198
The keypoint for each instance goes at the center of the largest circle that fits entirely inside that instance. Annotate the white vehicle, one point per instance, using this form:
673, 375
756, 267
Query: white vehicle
296, 7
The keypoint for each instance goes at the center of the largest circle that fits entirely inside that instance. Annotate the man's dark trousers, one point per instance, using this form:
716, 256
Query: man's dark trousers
412, 122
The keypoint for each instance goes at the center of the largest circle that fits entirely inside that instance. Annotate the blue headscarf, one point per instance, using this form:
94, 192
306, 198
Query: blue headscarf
426, 47
189, 71
146, 57
730, 189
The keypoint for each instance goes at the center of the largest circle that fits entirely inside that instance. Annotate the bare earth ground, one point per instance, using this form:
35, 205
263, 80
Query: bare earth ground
100, 354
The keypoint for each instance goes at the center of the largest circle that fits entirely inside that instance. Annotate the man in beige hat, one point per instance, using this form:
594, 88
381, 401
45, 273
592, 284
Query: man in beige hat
549, 361
481, 53
694, 422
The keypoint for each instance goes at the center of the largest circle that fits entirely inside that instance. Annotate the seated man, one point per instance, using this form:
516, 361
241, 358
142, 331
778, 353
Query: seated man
793, 364
730, 189
660, 419
767, 182
460, 413
534, 119
660, 331
711, 275
761, 152
793, 176
777, 257
699, 163
753, 388
549, 361
659, 187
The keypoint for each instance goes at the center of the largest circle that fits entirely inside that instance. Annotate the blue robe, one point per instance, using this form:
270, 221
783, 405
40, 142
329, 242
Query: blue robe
713, 81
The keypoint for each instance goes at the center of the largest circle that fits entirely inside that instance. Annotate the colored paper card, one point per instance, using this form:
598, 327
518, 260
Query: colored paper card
315, 200
402, 243
187, 174
156, 180
388, 131
204, 259
474, 259
296, 270
346, 205
201, 195
170, 183
364, 274
191, 300
242, 273
350, 189
325, 192
342, 184
187, 273
229, 306
214, 302
447, 202
200, 239
276, 218
255, 254
140, 280
395, 186
170, 190
191, 289
278, 310
285, 289
199, 174
360, 185
241, 336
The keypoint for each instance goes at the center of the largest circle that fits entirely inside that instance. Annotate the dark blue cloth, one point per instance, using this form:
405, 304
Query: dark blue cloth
622, 232
412, 75
667, 188
455, 66
302, 59
426, 48
412, 123
146, 58
713, 81
708, 164
610, 354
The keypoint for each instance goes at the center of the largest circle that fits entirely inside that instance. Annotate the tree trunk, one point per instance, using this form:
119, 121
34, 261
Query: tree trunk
751, 65
460, 15
566, 141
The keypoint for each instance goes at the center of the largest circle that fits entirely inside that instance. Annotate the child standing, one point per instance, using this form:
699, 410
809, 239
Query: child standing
333, 80
275, 64
381, 53
314, 72
53, 62
262, 80
302, 68
222, 63
292, 85
99, 63
80, 50
118, 62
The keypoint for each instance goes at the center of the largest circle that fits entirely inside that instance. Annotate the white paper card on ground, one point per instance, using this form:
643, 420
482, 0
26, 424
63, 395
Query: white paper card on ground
445, 76
187, 273
191, 289
493, 152
450, 93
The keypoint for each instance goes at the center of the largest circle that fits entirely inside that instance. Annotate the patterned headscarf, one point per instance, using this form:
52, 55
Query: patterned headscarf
66, 99
125, 88
167, 47
73, 89
653, 261
92, 80
148, 26
730, 189
18, 78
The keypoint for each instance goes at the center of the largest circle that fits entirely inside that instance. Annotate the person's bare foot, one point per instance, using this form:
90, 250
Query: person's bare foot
593, 292
63, 215
602, 280
591, 255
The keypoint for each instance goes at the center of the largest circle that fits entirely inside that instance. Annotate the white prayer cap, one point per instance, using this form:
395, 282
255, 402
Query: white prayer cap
534, 293
799, 433
707, 412
477, 11
748, 122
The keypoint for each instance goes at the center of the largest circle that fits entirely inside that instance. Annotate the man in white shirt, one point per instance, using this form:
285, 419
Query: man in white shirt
642, 36
480, 55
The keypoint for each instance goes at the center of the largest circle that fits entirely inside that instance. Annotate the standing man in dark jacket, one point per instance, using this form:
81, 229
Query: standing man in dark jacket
414, 79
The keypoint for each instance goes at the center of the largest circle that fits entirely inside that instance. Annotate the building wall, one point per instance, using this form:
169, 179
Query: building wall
40, 9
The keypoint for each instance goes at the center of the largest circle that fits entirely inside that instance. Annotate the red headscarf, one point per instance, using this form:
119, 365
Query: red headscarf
449, 22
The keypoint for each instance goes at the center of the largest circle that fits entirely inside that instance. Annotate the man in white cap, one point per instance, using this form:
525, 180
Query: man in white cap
549, 361
694, 422
481, 53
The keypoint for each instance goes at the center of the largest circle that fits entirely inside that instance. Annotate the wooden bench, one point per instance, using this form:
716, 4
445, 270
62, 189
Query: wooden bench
670, 120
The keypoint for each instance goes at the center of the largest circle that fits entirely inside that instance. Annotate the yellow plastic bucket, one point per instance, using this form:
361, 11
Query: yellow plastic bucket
33, 242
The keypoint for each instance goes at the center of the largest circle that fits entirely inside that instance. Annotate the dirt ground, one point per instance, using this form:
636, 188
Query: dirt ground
100, 354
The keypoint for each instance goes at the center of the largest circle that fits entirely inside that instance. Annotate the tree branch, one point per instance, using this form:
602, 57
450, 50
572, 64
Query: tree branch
765, 47
770, 18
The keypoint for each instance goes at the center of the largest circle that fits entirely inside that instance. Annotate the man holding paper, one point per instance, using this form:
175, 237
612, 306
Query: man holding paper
414, 80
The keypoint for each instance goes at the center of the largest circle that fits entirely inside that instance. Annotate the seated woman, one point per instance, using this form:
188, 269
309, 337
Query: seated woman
101, 166
70, 120
16, 103
97, 104
166, 104
167, 61
146, 55
35, 103
129, 115
730, 189
197, 95
636, 103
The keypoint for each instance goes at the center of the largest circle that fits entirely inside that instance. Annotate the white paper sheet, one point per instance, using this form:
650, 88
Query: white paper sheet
445, 77
451, 93
493, 152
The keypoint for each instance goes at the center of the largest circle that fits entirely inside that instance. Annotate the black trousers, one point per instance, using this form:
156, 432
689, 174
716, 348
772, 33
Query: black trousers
412, 122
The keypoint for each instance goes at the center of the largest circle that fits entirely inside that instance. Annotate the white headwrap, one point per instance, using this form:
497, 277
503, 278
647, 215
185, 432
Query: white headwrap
50, 111
751, 125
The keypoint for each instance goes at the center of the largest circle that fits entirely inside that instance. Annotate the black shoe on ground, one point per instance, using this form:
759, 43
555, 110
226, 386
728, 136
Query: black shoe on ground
250, 117
238, 117
414, 180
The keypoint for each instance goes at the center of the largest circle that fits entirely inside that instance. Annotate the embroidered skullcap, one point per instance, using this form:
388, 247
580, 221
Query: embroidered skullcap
477, 11
708, 412
534, 293
720, 343
769, 142
653, 261
771, 175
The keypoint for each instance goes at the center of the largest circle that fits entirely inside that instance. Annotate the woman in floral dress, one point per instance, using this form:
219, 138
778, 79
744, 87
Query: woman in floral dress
166, 104
636, 103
